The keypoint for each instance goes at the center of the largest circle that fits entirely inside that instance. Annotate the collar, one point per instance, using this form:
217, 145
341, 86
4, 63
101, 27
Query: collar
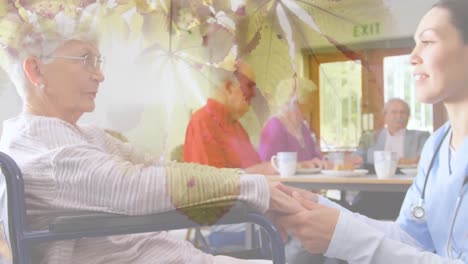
399, 133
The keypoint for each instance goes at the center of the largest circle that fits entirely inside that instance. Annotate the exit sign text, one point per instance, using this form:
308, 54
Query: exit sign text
364, 30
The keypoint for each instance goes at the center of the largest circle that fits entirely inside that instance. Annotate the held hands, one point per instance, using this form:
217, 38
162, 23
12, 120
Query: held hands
281, 204
282, 201
304, 193
314, 227
297, 211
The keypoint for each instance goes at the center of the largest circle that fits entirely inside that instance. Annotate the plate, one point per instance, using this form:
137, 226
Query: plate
410, 171
307, 170
407, 166
337, 173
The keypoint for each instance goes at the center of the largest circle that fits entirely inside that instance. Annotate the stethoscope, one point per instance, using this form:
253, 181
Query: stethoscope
419, 212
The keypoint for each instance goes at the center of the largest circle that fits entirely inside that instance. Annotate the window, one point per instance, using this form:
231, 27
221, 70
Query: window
340, 104
351, 94
398, 82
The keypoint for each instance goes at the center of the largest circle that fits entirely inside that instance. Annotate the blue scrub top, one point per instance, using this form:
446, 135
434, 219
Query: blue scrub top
441, 194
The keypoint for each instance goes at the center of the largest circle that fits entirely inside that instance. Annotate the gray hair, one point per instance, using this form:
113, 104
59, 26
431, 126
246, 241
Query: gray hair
40, 50
395, 99
40, 45
285, 91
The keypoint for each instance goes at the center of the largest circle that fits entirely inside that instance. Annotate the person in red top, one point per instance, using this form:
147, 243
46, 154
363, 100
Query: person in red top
213, 138
214, 135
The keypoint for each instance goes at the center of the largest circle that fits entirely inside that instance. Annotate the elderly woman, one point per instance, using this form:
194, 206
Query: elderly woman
69, 167
288, 130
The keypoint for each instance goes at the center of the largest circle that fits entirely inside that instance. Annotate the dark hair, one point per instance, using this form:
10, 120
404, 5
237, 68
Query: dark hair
458, 13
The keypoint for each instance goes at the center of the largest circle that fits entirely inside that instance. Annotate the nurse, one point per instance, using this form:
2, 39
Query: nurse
434, 215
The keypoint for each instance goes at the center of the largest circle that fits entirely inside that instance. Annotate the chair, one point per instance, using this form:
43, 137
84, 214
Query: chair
92, 224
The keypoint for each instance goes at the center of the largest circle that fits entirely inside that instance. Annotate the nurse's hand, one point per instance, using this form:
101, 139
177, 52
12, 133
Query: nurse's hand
314, 227
281, 204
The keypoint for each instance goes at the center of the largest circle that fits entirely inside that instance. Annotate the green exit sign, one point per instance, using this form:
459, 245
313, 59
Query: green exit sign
366, 30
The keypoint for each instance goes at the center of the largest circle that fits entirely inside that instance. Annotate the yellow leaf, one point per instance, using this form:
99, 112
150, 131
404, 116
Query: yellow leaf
155, 28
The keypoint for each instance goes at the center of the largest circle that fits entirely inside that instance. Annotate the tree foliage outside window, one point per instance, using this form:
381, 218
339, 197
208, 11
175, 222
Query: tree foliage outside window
398, 82
340, 104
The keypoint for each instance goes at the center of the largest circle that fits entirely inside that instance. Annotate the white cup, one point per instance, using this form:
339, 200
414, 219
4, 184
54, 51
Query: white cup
385, 164
285, 163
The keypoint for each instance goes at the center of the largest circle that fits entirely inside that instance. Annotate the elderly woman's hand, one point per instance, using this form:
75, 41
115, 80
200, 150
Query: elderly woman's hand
281, 202
314, 227
304, 193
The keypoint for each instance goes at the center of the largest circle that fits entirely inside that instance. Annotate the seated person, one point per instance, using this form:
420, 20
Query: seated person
394, 137
69, 167
289, 130
214, 135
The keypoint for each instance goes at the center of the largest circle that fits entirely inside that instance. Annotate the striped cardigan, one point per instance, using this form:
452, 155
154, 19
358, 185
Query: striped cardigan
68, 168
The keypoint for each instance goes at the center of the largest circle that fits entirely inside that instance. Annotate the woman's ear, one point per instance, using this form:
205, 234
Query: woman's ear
32, 70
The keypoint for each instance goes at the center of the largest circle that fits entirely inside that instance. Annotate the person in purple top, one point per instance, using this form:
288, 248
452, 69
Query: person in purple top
288, 130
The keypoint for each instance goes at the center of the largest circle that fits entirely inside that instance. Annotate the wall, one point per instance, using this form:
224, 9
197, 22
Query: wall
396, 19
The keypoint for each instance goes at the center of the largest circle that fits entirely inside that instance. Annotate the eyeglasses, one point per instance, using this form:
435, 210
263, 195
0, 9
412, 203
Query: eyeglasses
92, 62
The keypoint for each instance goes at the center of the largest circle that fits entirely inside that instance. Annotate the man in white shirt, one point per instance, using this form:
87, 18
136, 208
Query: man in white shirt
394, 137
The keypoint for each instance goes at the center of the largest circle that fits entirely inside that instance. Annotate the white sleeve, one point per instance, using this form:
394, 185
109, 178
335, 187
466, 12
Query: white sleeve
359, 243
86, 178
391, 229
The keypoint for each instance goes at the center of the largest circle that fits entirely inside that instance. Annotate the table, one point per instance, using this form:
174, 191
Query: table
399, 183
